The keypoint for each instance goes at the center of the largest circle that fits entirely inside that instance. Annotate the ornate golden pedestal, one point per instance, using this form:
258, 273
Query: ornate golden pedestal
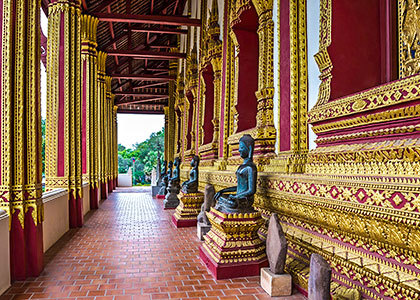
188, 209
232, 247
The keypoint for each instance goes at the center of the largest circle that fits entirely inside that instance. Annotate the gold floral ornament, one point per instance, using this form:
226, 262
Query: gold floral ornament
409, 30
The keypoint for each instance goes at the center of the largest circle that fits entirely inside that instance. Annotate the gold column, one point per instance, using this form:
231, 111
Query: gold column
109, 133
21, 168
170, 132
106, 133
64, 119
90, 106
166, 129
102, 90
115, 108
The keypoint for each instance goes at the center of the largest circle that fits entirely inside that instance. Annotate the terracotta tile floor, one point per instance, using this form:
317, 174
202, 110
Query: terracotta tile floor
129, 250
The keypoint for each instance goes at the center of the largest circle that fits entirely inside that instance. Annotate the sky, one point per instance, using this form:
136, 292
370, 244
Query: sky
135, 128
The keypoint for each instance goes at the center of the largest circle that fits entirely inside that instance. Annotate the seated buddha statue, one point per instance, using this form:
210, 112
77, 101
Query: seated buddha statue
246, 175
174, 180
191, 185
167, 177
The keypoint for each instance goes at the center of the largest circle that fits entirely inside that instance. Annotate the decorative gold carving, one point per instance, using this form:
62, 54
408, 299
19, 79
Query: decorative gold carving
408, 29
211, 53
90, 70
386, 95
189, 206
21, 169
322, 58
233, 238
68, 15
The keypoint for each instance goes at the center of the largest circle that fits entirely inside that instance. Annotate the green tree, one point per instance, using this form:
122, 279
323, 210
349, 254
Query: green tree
145, 155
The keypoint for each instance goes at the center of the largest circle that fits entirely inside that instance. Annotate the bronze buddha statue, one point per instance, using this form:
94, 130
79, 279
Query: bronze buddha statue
246, 175
191, 185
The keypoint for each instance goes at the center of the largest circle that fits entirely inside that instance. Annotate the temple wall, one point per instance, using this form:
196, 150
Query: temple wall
343, 174
56, 214
4, 252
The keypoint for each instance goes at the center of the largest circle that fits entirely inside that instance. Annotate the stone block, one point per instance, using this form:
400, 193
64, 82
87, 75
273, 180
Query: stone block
276, 284
155, 190
202, 229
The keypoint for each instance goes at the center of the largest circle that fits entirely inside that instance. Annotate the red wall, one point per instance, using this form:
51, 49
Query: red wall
355, 49
246, 34
209, 104
190, 119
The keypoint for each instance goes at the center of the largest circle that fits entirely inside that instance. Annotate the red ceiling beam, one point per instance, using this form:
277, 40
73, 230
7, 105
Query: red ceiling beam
143, 77
104, 4
140, 112
147, 54
148, 85
159, 30
142, 101
148, 19
140, 94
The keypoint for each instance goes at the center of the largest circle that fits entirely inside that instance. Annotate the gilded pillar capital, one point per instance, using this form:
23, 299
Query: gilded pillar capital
101, 65
65, 5
89, 25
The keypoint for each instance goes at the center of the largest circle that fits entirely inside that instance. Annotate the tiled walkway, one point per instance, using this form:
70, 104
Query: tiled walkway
127, 250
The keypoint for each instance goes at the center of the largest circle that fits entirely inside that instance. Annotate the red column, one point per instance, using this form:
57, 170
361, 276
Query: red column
20, 112
64, 105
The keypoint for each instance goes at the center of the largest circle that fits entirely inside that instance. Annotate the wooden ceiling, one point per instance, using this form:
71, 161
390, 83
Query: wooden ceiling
138, 36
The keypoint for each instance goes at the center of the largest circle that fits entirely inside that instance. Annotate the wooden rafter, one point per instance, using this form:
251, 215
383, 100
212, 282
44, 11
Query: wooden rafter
140, 94
148, 19
143, 77
147, 54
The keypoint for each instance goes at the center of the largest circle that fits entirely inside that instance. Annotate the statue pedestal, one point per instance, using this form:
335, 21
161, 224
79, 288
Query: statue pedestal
188, 209
202, 230
232, 248
155, 190
171, 200
276, 284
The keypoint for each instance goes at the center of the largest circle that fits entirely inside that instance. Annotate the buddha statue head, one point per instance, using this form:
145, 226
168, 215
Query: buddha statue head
246, 146
195, 161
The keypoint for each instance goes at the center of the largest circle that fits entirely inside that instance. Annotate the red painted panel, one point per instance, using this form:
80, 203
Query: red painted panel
61, 105
222, 114
190, 119
84, 112
355, 49
208, 127
34, 245
246, 34
284, 76
17, 249
1, 78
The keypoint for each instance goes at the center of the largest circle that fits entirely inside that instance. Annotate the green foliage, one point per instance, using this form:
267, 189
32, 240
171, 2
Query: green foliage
145, 155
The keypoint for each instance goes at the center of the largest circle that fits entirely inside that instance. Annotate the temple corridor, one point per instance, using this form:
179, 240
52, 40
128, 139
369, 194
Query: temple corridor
129, 249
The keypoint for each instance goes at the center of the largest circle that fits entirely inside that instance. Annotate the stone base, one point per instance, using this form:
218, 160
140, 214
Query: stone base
170, 203
188, 209
230, 270
276, 284
183, 223
161, 197
232, 247
155, 190
202, 230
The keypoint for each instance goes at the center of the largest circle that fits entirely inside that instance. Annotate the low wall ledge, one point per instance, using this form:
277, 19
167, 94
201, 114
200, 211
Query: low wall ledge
53, 194
3, 215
